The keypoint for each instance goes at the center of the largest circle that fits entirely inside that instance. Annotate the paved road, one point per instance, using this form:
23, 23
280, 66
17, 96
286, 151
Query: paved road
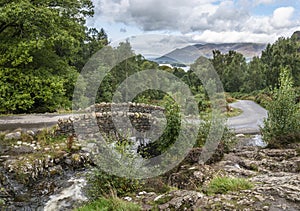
30, 121
251, 118
247, 122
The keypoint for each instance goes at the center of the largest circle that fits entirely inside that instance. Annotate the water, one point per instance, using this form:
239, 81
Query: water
257, 141
68, 197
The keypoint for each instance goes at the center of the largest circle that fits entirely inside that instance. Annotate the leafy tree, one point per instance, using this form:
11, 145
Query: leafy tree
231, 68
282, 125
255, 77
284, 53
40, 45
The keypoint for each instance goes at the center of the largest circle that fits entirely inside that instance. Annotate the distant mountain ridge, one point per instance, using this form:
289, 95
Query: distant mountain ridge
189, 54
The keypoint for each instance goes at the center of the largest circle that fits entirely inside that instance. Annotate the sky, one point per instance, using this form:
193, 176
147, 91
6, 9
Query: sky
158, 26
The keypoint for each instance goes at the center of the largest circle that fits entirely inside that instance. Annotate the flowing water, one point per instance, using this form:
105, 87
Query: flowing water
68, 197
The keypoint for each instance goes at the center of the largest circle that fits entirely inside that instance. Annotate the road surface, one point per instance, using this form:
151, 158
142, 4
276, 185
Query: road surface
30, 121
248, 122
251, 118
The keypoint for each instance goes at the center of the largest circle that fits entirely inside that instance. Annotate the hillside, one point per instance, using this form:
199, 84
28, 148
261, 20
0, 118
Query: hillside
190, 53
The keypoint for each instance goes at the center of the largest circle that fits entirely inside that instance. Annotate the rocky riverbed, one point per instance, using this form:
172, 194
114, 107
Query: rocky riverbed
36, 174
275, 174
34, 170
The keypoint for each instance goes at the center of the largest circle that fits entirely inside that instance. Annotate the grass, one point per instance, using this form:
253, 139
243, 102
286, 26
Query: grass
234, 112
110, 204
222, 185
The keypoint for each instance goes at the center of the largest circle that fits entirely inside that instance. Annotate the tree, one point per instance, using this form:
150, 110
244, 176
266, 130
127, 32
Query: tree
284, 53
40, 45
231, 68
254, 78
282, 125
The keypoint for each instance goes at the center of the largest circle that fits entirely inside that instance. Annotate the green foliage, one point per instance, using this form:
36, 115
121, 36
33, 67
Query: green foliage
231, 68
283, 117
222, 185
284, 53
104, 184
255, 76
228, 138
261, 72
171, 132
43, 46
110, 204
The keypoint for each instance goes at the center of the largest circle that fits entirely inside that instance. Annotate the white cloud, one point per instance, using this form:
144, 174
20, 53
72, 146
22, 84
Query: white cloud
233, 36
201, 20
282, 17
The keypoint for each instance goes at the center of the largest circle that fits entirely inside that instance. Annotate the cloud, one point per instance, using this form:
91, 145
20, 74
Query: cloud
200, 19
259, 2
282, 17
123, 30
233, 36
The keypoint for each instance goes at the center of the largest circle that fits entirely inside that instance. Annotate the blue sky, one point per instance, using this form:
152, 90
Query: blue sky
195, 21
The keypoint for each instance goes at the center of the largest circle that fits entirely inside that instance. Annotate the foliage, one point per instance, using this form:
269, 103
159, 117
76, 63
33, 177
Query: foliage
284, 53
234, 112
231, 68
171, 132
222, 185
283, 117
42, 45
110, 204
261, 72
228, 138
104, 184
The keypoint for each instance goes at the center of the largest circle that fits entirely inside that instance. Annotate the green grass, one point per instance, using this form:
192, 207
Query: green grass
234, 112
110, 204
222, 185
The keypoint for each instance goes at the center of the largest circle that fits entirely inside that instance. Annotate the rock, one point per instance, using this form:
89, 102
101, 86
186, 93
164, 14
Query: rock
55, 170
127, 198
179, 200
30, 132
240, 135
15, 136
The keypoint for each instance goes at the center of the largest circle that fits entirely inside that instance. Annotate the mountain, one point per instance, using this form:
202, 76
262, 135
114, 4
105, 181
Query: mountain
189, 54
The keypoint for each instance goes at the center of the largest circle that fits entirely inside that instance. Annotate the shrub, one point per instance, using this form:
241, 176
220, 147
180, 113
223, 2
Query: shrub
110, 204
103, 184
222, 185
171, 132
283, 117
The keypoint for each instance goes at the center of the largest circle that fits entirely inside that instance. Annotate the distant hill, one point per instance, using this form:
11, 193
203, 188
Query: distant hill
189, 54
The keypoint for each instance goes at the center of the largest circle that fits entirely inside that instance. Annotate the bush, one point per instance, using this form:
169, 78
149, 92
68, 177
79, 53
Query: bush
103, 184
171, 132
263, 99
283, 117
110, 204
222, 185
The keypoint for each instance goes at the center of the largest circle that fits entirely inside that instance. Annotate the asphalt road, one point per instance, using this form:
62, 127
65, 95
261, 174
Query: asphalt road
251, 118
30, 121
248, 122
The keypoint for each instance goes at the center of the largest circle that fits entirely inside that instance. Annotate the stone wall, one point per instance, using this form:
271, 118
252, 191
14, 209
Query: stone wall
100, 119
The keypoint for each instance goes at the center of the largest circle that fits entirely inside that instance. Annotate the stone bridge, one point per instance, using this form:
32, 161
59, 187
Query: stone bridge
101, 119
